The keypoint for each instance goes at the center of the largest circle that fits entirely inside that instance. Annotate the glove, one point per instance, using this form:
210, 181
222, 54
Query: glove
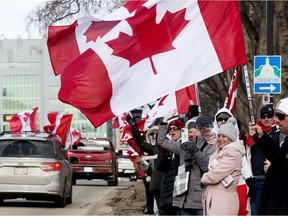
132, 121
252, 194
192, 111
189, 147
204, 121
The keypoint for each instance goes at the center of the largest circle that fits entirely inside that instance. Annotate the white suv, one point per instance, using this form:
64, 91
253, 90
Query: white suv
34, 167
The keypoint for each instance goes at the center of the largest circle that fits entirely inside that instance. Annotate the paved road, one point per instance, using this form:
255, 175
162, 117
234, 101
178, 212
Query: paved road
86, 195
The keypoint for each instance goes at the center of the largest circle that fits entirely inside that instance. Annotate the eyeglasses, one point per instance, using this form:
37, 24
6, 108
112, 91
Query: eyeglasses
173, 129
264, 115
280, 116
221, 119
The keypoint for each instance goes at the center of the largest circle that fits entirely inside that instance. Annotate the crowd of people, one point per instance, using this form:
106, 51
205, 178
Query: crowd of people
216, 169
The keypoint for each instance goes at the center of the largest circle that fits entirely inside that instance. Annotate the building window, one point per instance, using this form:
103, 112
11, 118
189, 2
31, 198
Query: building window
20, 65
21, 93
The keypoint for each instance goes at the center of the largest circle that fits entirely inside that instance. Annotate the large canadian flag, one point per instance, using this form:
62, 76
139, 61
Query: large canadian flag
132, 57
59, 126
24, 121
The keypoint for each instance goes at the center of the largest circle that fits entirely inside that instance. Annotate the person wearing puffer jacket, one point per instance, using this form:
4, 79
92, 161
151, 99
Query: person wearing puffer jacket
220, 182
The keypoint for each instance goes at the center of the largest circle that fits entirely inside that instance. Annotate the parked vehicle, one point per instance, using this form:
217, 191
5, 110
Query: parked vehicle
125, 165
34, 167
94, 158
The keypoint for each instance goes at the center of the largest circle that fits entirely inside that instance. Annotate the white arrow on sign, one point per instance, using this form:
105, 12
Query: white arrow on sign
271, 88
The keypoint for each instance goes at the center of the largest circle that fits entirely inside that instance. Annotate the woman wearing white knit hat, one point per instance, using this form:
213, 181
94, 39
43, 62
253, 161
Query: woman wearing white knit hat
220, 182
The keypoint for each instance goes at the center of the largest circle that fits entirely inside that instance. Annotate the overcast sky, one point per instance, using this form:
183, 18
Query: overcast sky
12, 14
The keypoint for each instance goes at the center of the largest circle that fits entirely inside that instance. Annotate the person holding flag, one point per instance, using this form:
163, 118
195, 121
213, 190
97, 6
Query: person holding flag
258, 159
274, 198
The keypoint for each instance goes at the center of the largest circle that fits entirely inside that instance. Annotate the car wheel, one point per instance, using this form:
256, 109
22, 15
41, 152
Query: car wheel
133, 178
73, 180
61, 200
113, 182
69, 198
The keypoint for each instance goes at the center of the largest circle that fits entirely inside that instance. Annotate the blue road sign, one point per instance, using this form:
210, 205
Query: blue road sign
267, 74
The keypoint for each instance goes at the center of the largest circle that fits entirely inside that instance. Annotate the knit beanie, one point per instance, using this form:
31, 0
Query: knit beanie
228, 130
267, 109
204, 121
178, 123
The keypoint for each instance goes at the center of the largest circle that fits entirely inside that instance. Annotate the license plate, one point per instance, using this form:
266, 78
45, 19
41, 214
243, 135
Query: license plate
20, 171
88, 169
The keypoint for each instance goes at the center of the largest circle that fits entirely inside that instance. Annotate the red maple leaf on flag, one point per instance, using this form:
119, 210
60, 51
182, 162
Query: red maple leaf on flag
26, 116
99, 29
153, 39
74, 132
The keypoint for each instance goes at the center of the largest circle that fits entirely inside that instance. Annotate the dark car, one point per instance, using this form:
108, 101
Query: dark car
34, 167
94, 158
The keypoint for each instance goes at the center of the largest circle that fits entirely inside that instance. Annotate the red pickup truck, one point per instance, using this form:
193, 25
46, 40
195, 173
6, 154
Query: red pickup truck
94, 158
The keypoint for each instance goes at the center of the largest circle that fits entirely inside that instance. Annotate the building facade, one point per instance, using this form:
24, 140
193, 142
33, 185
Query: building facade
27, 80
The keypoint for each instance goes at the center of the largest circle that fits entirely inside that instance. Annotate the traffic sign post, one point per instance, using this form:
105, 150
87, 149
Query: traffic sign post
267, 74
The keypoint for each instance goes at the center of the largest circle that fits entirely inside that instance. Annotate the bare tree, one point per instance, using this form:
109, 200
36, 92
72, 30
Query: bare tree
253, 15
212, 91
60, 11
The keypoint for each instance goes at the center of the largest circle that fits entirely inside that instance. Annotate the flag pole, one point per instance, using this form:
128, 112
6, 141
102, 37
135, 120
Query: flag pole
249, 97
230, 89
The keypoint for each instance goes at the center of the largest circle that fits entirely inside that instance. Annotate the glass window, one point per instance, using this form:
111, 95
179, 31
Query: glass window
22, 92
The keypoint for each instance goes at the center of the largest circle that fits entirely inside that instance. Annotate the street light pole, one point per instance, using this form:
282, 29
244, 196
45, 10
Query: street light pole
269, 26
269, 32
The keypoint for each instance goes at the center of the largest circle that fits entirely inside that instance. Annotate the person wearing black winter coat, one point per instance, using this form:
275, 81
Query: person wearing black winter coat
266, 122
274, 200
163, 171
168, 164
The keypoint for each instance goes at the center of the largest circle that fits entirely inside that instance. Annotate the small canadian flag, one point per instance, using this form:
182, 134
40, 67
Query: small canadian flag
24, 121
59, 126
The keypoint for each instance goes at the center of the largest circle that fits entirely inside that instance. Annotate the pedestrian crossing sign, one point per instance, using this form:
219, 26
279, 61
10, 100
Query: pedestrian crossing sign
267, 74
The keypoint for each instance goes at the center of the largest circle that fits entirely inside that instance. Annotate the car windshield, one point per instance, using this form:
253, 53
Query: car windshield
91, 144
23, 148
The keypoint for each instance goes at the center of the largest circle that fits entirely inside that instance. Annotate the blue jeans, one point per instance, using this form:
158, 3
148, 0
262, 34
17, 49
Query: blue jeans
255, 205
185, 211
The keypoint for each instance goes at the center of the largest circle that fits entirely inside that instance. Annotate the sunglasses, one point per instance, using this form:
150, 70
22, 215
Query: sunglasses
173, 129
264, 115
280, 116
221, 119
